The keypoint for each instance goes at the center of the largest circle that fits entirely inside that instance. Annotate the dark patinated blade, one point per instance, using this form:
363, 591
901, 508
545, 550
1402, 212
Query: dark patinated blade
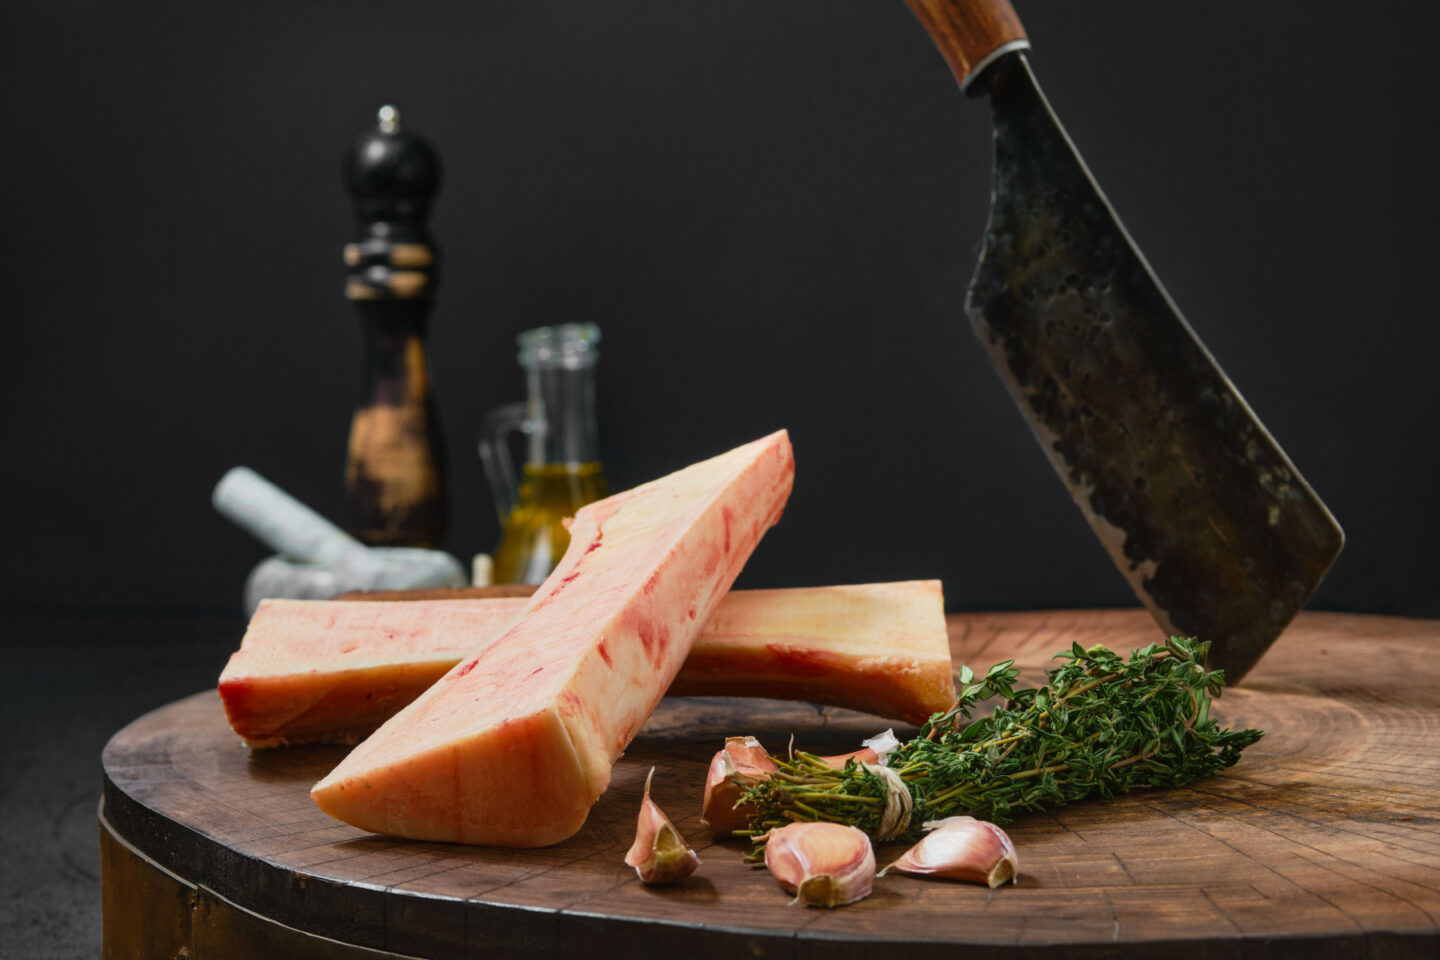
1197, 505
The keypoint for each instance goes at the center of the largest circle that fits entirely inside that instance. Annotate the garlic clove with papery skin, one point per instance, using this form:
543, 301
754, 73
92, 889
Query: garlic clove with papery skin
863, 755
659, 854
874, 750
962, 848
822, 864
883, 744
740, 765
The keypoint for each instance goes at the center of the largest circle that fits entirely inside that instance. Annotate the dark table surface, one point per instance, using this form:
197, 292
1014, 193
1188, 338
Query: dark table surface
71, 680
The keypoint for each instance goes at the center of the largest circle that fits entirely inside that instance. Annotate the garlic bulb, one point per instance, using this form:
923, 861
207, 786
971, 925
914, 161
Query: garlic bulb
659, 854
741, 764
822, 864
962, 848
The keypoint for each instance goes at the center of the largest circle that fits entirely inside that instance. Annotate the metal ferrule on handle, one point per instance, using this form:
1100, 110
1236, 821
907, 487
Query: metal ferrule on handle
972, 34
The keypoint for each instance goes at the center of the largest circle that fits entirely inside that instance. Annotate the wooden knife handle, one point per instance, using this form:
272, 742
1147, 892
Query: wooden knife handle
971, 33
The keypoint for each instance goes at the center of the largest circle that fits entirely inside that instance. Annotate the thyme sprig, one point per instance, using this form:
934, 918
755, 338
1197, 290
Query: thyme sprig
1100, 726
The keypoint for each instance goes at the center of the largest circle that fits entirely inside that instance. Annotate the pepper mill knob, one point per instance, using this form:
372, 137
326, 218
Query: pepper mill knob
392, 175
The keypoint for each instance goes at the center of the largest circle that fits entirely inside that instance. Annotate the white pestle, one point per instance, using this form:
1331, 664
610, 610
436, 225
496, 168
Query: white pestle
317, 559
278, 520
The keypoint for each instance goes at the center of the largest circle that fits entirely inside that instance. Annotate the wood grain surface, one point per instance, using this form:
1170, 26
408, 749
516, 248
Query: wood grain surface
1323, 840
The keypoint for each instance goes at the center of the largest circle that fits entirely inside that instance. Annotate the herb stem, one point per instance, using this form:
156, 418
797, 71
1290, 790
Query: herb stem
1094, 708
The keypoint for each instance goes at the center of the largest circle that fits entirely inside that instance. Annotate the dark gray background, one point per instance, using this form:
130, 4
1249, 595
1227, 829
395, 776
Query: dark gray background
771, 208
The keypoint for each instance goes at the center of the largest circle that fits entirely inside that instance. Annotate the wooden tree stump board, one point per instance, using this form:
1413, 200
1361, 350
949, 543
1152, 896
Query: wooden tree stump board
1323, 839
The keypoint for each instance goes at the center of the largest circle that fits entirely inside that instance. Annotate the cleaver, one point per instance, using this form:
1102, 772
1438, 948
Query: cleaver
1216, 531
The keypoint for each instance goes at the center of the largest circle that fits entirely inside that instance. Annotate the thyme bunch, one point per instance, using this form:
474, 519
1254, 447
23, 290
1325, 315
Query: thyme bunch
1100, 726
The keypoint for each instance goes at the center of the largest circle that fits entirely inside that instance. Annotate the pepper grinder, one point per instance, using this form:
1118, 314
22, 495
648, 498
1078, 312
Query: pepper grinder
395, 469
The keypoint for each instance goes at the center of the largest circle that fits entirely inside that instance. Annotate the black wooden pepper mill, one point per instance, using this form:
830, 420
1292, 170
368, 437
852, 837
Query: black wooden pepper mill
395, 471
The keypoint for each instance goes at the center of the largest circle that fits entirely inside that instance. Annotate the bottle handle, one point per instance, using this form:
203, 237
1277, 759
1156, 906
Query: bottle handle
495, 452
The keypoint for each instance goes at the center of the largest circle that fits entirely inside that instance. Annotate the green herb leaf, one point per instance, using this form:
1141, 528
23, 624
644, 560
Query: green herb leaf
1100, 727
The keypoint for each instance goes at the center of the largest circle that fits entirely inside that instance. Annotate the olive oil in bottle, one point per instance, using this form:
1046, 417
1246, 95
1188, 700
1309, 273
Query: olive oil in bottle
534, 536
562, 471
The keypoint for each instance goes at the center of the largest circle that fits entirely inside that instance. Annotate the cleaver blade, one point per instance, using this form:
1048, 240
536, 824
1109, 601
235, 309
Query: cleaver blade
1200, 509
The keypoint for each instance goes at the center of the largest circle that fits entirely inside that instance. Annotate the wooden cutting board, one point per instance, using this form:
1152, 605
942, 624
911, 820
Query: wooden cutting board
1324, 839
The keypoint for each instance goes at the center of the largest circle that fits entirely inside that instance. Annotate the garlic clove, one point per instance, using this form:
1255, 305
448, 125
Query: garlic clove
659, 854
962, 848
863, 755
874, 750
740, 765
822, 864
883, 744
